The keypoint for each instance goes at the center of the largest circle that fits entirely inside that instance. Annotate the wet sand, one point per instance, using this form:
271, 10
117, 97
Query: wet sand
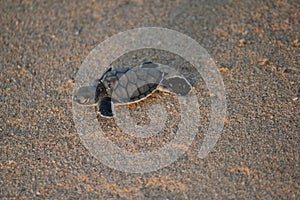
256, 46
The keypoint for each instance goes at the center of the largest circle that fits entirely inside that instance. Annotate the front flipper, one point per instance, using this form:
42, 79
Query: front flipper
176, 84
106, 107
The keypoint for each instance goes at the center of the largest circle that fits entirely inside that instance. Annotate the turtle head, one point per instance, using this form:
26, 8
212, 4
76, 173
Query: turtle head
86, 96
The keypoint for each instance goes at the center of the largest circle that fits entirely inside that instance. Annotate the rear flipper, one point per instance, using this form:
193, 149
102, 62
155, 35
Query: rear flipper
176, 84
106, 108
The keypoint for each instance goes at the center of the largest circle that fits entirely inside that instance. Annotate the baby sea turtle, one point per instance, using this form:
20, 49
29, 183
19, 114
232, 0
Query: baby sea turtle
130, 85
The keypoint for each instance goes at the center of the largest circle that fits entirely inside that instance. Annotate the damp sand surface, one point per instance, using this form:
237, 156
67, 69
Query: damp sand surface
255, 44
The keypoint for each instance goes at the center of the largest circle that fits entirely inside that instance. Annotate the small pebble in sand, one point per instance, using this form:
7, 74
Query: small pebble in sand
242, 42
264, 62
70, 83
296, 43
223, 70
